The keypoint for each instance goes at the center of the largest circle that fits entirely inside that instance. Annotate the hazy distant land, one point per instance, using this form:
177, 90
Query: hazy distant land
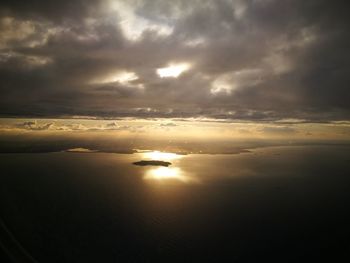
19, 144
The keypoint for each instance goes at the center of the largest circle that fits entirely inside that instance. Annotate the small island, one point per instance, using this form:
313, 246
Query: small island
152, 163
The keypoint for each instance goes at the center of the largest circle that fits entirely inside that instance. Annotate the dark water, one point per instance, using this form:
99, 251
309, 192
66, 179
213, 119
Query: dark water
279, 204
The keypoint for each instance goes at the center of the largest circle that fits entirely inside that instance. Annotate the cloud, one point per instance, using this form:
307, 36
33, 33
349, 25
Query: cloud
66, 126
250, 60
278, 130
34, 126
168, 124
112, 125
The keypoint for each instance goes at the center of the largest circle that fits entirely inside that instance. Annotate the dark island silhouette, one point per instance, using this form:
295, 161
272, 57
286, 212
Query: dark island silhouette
152, 163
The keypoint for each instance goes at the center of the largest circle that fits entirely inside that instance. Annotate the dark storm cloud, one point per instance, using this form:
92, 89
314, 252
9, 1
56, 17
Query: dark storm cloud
251, 60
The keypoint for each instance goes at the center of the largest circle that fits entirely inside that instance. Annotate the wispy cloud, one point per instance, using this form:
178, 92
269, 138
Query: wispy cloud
33, 125
62, 126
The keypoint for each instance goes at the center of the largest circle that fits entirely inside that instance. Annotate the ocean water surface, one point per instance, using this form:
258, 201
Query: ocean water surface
282, 204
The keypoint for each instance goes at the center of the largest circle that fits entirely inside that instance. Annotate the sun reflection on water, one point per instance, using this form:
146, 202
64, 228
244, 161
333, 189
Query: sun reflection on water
162, 156
167, 173
160, 173
163, 174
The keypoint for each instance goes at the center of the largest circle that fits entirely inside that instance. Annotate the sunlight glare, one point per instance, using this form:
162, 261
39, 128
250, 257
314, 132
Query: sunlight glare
161, 156
166, 173
124, 76
173, 70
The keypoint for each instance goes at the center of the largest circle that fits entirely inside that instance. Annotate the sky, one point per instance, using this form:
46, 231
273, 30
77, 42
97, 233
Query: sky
254, 61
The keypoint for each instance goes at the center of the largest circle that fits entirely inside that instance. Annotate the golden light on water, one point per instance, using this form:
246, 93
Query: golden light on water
161, 156
167, 173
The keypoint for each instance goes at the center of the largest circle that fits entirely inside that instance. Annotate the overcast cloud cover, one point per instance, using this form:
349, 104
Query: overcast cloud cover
249, 60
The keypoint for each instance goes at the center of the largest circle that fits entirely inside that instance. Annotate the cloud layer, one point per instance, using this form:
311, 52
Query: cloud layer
249, 60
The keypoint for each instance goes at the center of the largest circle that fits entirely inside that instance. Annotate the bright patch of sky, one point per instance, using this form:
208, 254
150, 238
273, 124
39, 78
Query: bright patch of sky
133, 25
173, 70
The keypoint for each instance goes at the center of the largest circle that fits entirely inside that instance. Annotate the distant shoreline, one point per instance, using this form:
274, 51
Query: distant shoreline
76, 150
